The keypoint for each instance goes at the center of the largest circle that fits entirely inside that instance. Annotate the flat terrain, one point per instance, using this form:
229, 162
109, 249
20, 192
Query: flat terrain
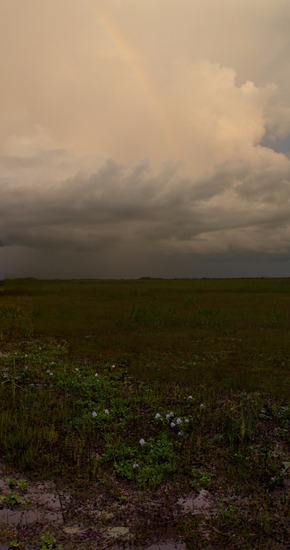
146, 410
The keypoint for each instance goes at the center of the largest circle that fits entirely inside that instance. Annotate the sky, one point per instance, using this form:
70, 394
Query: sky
144, 138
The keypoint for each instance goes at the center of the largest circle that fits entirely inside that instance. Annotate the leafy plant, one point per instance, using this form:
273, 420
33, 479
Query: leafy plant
200, 479
48, 542
12, 499
11, 482
14, 544
23, 485
230, 514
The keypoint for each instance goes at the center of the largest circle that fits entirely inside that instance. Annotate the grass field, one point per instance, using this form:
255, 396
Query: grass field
159, 386
230, 333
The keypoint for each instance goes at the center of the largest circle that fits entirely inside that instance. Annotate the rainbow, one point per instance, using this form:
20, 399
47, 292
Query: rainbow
133, 61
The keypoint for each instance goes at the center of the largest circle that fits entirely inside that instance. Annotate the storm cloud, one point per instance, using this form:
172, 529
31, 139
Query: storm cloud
145, 133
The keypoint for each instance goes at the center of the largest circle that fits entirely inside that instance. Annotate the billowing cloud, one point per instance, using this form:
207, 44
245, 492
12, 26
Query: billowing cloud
122, 136
239, 205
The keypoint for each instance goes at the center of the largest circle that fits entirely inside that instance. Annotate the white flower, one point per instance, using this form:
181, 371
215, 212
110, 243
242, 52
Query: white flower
113, 366
142, 441
202, 406
189, 397
172, 424
169, 415
157, 415
106, 411
186, 421
136, 465
94, 414
96, 374
77, 369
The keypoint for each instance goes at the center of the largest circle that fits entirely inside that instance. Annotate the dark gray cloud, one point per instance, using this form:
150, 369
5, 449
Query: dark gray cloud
237, 207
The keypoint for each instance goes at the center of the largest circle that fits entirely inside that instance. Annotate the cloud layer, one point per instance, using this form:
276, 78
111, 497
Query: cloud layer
124, 138
241, 205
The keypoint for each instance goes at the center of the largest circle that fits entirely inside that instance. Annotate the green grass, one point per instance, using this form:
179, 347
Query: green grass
230, 333
152, 382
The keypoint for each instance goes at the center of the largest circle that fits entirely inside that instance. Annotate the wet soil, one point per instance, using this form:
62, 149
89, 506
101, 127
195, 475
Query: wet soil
111, 514
94, 519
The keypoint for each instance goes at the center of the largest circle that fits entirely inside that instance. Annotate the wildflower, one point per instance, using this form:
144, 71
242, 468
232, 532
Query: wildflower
96, 374
94, 414
179, 434
77, 369
172, 424
186, 421
169, 415
157, 415
178, 420
113, 366
106, 411
142, 441
189, 397
52, 363
202, 406
136, 465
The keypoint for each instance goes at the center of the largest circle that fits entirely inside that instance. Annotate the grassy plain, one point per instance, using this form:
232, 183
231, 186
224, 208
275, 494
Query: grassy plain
156, 386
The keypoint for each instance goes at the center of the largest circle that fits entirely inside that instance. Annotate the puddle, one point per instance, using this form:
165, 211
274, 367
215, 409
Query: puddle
39, 504
73, 530
200, 504
117, 532
26, 517
167, 546
102, 514
42, 504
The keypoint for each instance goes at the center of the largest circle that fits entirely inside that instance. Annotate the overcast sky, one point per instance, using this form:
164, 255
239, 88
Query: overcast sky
144, 138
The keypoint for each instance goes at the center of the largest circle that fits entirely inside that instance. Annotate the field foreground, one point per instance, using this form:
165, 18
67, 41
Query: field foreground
138, 412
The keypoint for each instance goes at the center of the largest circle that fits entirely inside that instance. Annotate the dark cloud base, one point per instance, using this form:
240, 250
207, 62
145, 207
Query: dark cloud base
121, 221
23, 262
